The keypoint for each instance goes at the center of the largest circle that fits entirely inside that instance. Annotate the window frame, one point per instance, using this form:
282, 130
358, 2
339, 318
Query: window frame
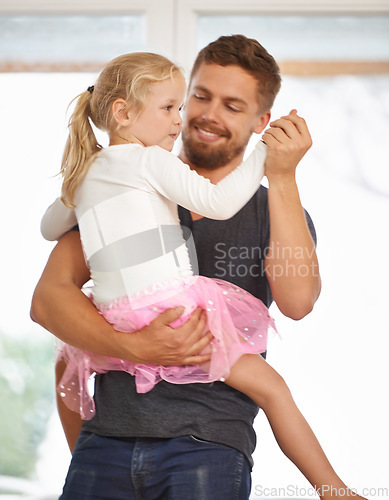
171, 25
188, 12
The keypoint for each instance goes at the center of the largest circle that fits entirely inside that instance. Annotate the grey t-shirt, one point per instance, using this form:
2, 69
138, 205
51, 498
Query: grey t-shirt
232, 250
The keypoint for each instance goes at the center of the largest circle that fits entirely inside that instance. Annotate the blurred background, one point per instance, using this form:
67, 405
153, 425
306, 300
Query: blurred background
334, 58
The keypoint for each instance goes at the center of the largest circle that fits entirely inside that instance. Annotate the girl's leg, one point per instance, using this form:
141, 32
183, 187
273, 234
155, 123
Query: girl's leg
258, 380
71, 421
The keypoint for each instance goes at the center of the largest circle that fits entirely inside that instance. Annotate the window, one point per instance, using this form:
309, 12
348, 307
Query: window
68, 42
82, 34
310, 44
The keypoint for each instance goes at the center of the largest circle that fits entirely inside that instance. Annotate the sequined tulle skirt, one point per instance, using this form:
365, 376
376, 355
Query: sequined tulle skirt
238, 321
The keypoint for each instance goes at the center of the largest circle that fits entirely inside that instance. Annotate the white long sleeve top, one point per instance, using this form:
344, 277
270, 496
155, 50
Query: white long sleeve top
126, 209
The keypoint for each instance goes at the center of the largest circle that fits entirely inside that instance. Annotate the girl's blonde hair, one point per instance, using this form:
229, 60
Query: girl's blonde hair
127, 77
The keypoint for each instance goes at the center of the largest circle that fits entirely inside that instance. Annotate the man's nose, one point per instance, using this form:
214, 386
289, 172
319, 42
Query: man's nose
211, 112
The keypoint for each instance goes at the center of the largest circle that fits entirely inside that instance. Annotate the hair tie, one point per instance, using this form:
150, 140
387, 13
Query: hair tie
91, 88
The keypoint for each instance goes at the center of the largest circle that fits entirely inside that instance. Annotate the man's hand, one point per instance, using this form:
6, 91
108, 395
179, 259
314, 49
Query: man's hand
288, 139
160, 344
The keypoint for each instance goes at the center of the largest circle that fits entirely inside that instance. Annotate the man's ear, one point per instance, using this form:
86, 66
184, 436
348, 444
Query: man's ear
121, 112
262, 122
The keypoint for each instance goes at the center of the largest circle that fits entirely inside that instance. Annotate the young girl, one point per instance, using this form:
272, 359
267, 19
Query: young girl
125, 201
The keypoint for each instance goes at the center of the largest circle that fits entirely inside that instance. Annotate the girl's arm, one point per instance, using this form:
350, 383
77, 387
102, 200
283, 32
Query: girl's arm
57, 220
176, 181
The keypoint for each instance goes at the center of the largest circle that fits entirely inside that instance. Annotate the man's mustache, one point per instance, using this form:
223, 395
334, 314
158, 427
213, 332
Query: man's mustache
205, 125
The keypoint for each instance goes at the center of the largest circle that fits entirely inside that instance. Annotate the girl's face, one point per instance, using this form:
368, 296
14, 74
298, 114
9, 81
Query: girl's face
160, 121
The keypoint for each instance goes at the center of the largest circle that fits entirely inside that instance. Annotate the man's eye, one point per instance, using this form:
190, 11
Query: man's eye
200, 97
233, 108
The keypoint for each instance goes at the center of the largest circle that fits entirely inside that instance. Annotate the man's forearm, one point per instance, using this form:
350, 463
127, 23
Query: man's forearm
61, 307
291, 265
67, 313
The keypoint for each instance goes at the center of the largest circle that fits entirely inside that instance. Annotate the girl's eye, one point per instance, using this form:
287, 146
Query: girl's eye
168, 108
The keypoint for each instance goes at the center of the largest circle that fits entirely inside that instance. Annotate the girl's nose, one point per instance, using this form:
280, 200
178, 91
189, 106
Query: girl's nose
178, 119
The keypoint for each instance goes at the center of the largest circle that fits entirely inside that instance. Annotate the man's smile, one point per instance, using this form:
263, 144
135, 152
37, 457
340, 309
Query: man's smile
209, 135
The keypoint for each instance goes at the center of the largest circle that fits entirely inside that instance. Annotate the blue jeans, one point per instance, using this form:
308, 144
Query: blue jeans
155, 469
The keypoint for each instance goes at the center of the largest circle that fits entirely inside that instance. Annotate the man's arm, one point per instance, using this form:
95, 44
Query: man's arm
59, 305
291, 265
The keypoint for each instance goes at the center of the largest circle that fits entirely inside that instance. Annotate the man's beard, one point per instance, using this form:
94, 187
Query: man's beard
209, 156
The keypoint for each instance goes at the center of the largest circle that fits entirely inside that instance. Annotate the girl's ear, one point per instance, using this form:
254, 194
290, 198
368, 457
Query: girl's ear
121, 112
262, 122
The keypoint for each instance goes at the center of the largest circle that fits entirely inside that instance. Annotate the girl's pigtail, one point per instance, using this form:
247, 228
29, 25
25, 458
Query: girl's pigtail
81, 146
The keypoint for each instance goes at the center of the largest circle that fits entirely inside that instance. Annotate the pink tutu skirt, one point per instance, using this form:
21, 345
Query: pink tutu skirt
238, 321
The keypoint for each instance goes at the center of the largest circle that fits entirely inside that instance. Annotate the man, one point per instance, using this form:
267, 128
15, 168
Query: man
193, 441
